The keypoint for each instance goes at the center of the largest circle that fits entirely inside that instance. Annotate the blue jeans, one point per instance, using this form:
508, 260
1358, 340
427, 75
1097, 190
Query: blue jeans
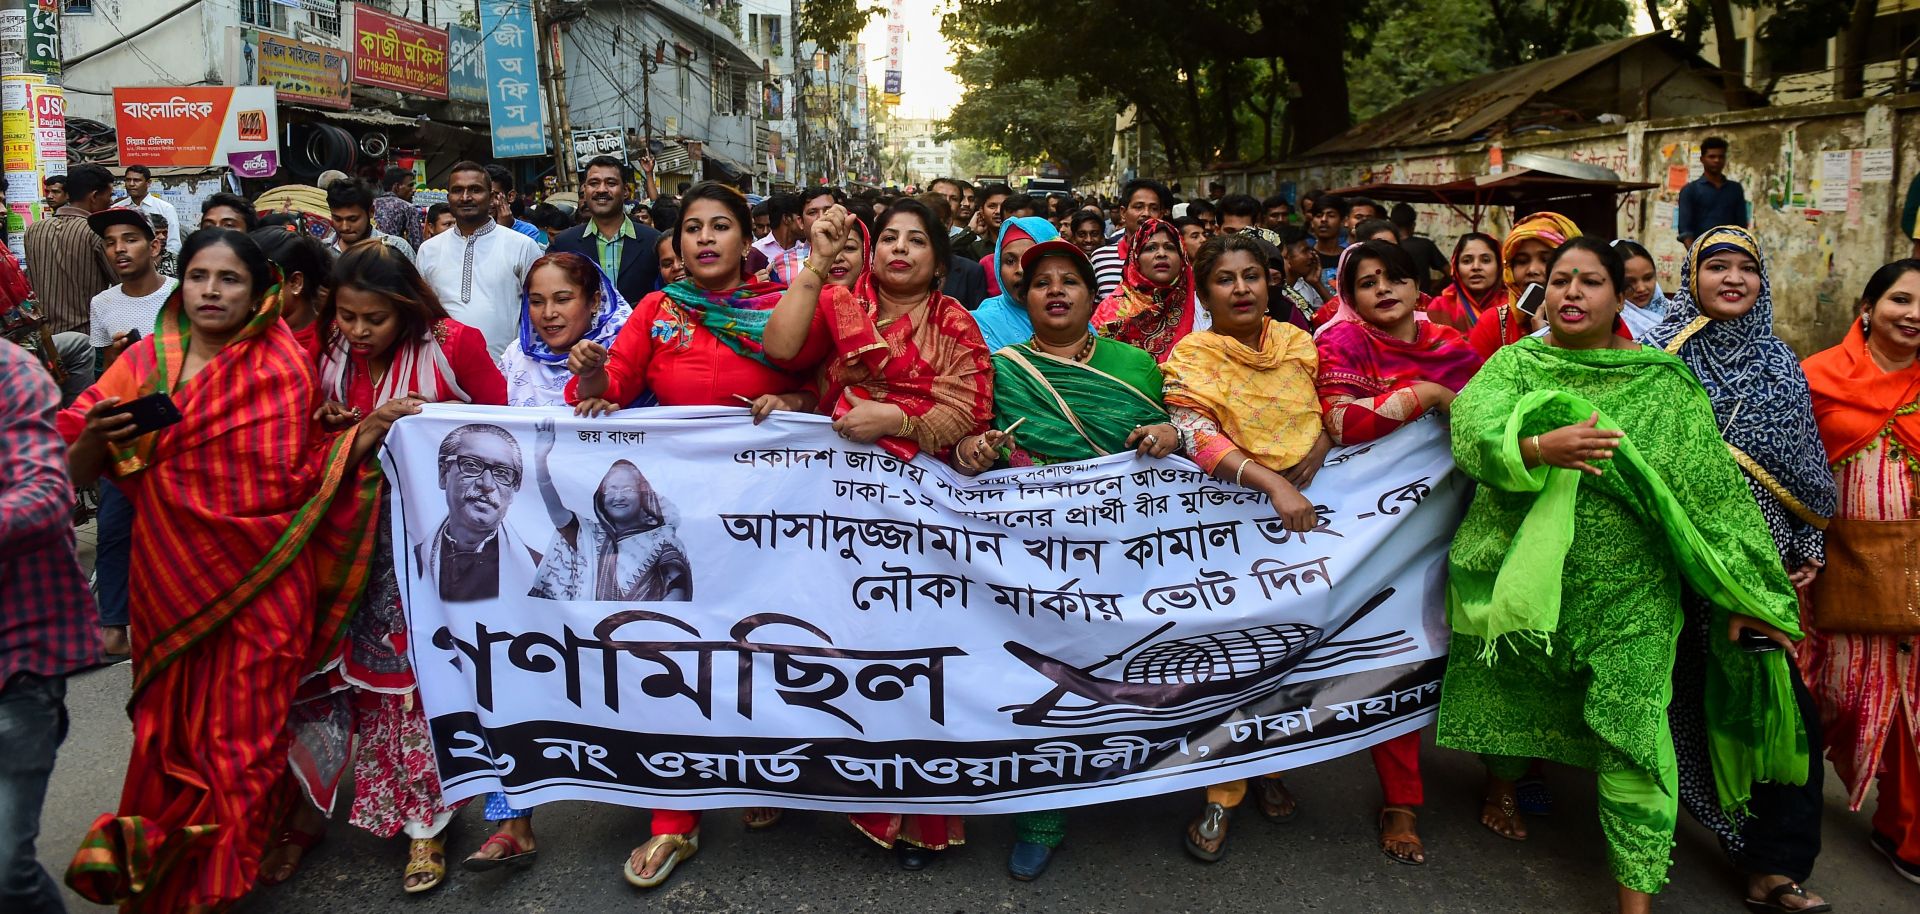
33, 723
113, 554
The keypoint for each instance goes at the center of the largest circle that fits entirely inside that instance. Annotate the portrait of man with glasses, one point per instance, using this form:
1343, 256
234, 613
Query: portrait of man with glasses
474, 554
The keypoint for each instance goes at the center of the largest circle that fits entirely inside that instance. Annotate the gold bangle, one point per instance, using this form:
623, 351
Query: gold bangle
1242, 470
816, 271
906, 426
1539, 456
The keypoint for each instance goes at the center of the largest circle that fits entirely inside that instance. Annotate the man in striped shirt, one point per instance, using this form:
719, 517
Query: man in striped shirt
65, 258
1143, 199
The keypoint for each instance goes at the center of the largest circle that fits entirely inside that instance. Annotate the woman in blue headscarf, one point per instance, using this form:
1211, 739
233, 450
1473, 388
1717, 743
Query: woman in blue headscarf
567, 298
1003, 321
1721, 325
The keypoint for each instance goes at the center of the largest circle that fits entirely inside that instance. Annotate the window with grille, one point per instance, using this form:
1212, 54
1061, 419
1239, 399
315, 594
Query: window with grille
323, 15
264, 14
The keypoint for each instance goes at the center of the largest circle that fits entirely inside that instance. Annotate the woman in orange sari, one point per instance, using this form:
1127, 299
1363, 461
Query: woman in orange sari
1523, 259
1866, 400
908, 372
229, 608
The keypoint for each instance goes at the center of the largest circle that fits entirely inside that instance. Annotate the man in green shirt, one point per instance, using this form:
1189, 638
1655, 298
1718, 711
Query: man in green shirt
623, 248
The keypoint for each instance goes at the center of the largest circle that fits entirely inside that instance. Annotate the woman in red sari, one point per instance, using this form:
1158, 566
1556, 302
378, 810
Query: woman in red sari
1476, 286
908, 371
1524, 261
1153, 308
1377, 374
229, 608
698, 342
387, 346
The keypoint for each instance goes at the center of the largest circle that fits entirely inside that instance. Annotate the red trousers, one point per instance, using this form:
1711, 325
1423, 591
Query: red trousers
1396, 761
675, 821
1897, 814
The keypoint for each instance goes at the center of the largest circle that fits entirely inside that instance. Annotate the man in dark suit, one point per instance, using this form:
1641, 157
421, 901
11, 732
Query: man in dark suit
621, 246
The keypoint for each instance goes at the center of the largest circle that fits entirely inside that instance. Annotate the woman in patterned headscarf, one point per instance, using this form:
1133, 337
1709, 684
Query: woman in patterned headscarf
1153, 308
1523, 259
1721, 326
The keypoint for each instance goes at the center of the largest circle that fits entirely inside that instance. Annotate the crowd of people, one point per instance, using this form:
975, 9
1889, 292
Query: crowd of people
1665, 576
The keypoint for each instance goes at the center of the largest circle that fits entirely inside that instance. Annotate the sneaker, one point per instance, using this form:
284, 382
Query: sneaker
1908, 871
1028, 860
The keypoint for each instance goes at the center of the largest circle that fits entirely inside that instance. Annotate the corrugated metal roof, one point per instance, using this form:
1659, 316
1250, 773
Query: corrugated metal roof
1464, 110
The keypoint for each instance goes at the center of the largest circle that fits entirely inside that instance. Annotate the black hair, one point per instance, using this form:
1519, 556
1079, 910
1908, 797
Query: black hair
1393, 258
1403, 215
607, 161
394, 177
807, 196
1220, 246
437, 210
1196, 207
1291, 235
1242, 205
682, 187
469, 165
760, 209
141, 170
1882, 280
259, 268
1629, 249
1372, 227
1139, 184
1088, 215
349, 194
234, 202
498, 174
380, 269
1460, 247
84, 181
1610, 260
550, 219
297, 252
1017, 201
281, 221
54, 179
1353, 202
1327, 201
1216, 182
724, 194
779, 207
981, 193
1181, 222
1276, 200
944, 180
159, 223
931, 223
666, 213
1080, 265
1711, 143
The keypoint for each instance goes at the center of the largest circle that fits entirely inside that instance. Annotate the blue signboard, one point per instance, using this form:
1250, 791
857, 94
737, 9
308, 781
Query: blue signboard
507, 40
466, 68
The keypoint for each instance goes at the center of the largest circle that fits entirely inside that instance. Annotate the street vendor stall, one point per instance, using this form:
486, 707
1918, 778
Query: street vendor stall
1590, 195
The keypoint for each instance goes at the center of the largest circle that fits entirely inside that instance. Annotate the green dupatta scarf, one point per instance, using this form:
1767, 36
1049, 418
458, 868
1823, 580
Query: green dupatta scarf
1717, 536
1074, 410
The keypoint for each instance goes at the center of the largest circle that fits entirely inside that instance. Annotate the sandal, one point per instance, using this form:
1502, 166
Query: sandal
680, 849
293, 838
761, 818
1506, 807
1784, 889
1532, 797
1276, 801
1211, 827
513, 853
1403, 836
426, 857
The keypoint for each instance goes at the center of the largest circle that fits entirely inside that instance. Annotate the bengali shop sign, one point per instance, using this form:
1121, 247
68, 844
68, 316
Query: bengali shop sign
194, 126
398, 54
298, 71
466, 66
681, 609
514, 114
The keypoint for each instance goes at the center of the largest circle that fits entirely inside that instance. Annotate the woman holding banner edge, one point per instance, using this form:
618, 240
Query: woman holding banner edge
1075, 396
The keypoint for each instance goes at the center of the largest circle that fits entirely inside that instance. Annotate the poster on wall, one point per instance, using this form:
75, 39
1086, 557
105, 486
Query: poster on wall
199, 126
298, 71
466, 66
399, 54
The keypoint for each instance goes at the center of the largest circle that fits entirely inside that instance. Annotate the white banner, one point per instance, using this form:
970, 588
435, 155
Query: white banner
675, 608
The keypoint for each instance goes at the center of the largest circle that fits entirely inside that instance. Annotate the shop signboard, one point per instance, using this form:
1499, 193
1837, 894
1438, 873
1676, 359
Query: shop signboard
399, 54
197, 126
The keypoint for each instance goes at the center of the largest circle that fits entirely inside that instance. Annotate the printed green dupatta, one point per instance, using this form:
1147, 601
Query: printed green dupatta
1719, 541
1075, 410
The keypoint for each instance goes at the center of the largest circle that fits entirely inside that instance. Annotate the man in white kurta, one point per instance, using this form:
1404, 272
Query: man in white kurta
478, 269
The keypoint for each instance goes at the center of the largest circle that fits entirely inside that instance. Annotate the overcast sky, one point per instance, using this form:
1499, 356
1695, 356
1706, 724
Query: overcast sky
927, 89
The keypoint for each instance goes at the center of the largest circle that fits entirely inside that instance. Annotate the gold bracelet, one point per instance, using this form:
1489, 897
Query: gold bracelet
1242, 470
1539, 456
906, 426
817, 272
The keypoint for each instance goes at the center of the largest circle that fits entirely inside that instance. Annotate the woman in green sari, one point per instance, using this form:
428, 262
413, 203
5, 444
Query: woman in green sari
1603, 487
1075, 396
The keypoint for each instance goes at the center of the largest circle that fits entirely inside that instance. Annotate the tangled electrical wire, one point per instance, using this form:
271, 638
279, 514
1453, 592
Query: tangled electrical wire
90, 142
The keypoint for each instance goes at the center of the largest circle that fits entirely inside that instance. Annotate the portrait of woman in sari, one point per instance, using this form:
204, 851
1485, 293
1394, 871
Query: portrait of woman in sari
1242, 394
1523, 261
1565, 578
1378, 372
1154, 306
1477, 283
243, 485
628, 551
567, 298
908, 372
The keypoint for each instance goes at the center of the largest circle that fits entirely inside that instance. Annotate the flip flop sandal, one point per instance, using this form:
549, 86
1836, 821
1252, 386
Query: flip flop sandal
514, 854
768, 817
1211, 826
426, 857
1403, 836
1508, 808
1268, 796
291, 838
1778, 892
682, 847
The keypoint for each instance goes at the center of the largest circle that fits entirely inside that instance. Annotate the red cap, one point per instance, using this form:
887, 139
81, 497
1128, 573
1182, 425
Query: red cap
1057, 247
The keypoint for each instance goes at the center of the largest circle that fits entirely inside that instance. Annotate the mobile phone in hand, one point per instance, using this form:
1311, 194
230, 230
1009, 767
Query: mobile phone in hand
150, 413
1755, 643
133, 336
1531, 299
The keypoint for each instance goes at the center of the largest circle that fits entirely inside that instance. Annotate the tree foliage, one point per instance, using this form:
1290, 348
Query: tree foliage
1030, 121
829, 24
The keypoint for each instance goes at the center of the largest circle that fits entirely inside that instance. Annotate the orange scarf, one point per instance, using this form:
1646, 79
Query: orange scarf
1854, 400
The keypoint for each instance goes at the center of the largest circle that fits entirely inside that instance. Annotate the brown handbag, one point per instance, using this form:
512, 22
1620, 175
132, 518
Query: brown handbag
1871, 583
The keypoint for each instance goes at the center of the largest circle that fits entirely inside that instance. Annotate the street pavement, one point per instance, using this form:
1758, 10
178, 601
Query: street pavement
1121, 857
